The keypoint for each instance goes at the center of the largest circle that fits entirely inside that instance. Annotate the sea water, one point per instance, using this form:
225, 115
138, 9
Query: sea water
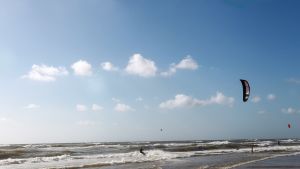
160, 155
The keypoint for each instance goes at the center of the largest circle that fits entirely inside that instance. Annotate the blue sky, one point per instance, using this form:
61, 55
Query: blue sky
74, 71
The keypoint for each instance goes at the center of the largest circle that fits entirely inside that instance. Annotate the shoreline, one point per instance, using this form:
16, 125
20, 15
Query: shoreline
270, 162
221, 154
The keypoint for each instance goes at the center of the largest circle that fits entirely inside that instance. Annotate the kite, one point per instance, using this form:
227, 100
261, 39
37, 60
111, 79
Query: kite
246, 90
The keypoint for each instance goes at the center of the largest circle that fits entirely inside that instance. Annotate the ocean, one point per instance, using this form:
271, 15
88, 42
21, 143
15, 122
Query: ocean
197, 154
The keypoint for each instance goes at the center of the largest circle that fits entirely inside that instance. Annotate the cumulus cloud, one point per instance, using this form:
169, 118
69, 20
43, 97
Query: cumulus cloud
172, 70
107, 66
187, 63
182, 100
289, 110
271, 97
120, 107
85, 123
82, 68
256, 99
32, 106
81, 107
96, 107
220, 98
45, 73
138, 65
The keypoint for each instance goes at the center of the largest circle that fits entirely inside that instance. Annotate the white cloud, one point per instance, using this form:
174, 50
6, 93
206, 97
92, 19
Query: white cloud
81, 107
85, 123
294, 80
172, 70
96, 107
120, 107
182, 100
32, 106
138, 65
82, 68
186, 63
289, 110
45, 73
256, 99
220, 98
108, 66
271, 97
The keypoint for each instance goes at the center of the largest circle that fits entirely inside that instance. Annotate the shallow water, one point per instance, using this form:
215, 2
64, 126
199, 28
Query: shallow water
165, 155
288, 161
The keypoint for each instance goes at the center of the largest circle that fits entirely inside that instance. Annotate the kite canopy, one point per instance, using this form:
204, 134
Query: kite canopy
289, 125
246, 90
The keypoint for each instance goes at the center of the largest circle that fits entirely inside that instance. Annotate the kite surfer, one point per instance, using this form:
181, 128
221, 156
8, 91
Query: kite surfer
142, 151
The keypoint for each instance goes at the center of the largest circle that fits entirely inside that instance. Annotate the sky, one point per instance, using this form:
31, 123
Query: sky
115, 70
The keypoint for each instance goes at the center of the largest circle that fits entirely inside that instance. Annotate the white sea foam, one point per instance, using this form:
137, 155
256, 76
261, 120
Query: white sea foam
287, 141
218, 142
256, 149
174, 144
78, 148
33, 160
277, 148
264, 143
65, 161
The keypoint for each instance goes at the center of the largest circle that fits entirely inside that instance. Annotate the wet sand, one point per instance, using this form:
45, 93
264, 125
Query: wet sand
292, 161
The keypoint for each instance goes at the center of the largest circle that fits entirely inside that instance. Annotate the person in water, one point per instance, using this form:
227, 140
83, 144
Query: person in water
142, 151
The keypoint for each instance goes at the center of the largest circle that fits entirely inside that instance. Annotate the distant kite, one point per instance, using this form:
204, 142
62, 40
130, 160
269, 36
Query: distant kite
246, 90
289, 125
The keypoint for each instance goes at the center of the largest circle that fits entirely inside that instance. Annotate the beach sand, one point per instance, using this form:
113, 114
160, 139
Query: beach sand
292, 161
